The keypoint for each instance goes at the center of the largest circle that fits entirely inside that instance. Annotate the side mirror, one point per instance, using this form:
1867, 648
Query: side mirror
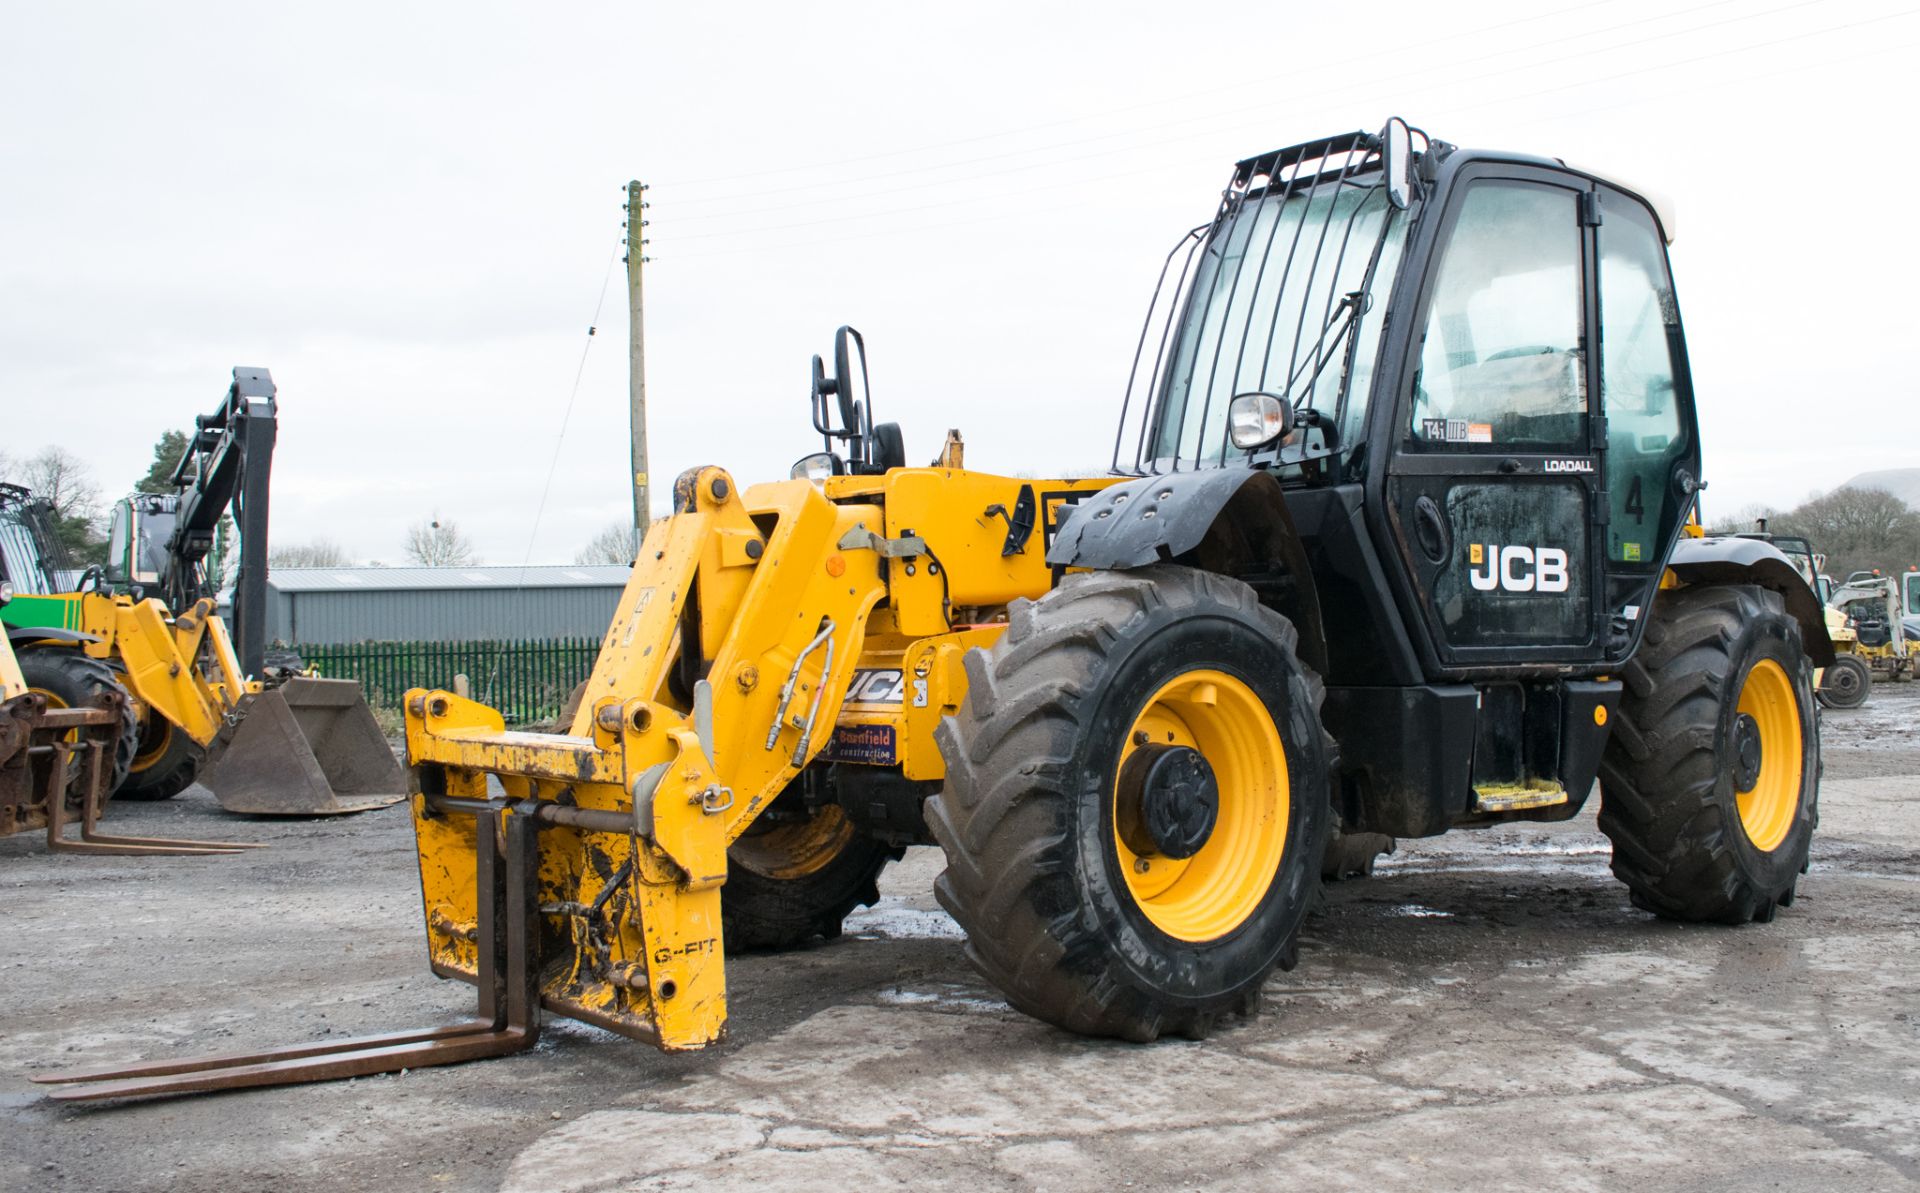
1256, 419
1396, 159
852, 401
852, 392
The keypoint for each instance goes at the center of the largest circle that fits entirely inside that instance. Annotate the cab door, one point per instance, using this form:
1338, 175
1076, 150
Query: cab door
1650, 446
1495, 489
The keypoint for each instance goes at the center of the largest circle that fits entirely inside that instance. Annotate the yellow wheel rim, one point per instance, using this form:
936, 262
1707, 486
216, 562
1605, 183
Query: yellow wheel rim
162, 737
1208, 895
54, 701
794, 850
1767, 807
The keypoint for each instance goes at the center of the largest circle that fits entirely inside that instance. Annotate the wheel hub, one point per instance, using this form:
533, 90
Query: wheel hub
1168, 801
1746, 753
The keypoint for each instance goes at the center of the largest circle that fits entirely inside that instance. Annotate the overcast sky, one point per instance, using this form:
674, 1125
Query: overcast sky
408, 212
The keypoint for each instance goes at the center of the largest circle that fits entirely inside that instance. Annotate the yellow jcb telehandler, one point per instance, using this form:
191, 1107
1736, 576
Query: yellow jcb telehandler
208, 706
1392, 544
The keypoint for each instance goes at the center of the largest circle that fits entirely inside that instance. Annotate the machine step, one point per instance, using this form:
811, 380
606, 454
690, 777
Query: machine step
1517, 797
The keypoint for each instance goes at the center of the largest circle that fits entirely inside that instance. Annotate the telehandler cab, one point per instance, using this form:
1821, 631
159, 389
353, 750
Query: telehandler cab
1393, 542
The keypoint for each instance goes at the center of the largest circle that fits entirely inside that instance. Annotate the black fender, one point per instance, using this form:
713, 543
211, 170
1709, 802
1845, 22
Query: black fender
1233, 521
27, 635
1755, 561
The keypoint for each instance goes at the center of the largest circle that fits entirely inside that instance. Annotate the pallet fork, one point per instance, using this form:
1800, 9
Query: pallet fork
507, 1019
53, 738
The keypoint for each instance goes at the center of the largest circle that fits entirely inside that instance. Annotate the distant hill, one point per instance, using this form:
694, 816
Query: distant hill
1903, 483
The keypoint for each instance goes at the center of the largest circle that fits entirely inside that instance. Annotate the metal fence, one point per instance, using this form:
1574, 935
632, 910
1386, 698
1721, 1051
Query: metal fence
526, 681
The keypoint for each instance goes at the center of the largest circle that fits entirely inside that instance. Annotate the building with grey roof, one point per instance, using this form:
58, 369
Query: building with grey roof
339, 605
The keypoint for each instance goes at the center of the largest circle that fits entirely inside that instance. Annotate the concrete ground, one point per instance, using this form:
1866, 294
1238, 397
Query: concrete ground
1487, 1012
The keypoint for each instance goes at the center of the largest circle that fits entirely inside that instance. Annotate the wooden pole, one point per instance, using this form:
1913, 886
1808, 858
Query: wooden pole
637, 356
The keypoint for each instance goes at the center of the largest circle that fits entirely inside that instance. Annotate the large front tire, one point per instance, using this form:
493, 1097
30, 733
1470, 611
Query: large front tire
70, 679
1097, 888
1710, 782
165, 762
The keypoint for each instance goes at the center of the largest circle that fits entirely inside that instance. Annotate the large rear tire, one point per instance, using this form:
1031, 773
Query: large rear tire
1136, 803
70, 679
1710, 782
793, 881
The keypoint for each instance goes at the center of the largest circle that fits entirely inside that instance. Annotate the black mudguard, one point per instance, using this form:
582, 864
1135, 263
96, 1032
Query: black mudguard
1146, 521
28, 635
1754, 561
1234, 521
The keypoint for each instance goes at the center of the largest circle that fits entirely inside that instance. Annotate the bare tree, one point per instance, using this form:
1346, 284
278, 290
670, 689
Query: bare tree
319, 553
613, 545
1858, 529
1743, 519
438, 543
59, 476
63, 479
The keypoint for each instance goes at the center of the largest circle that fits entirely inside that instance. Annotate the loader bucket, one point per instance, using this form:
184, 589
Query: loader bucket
309, 747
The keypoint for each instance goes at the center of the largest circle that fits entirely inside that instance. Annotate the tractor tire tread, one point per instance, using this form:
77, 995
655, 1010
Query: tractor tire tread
83, 676
1010, 874
1673, 841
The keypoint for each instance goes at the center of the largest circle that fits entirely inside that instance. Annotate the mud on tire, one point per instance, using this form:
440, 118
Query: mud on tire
1668, 780
1027, 816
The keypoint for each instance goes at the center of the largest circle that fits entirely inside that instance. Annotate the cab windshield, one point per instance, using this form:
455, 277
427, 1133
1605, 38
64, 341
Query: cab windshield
1281, 293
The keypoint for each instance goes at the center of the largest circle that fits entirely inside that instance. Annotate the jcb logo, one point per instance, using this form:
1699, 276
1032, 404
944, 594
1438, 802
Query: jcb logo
876, 686
1517, 568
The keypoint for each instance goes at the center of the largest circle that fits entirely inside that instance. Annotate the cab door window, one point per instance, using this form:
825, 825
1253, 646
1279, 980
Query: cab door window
1501, 356
1639, 328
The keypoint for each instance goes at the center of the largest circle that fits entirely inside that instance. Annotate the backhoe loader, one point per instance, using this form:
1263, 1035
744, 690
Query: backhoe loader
208, 709
1392, 544
1869, 606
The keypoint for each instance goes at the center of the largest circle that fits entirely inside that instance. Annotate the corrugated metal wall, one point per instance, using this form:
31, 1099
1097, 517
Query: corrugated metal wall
336, 616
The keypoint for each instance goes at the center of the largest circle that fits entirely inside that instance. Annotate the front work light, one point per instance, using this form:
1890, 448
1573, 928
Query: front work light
1257, 419
816, 467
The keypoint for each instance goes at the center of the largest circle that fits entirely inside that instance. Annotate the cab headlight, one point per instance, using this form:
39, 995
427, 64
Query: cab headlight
816, 467
1257, 419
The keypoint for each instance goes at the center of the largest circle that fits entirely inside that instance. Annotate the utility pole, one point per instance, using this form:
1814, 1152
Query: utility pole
637, 356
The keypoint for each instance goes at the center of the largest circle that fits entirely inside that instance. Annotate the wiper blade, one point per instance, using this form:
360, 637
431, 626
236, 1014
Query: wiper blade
1326, 345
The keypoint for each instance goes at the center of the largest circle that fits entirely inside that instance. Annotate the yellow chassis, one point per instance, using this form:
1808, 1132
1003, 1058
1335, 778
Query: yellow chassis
777, 596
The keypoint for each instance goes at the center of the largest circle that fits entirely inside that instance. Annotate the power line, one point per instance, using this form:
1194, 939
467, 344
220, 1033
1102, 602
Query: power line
1161, 168
1326, 101
931, 147
1367, 87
